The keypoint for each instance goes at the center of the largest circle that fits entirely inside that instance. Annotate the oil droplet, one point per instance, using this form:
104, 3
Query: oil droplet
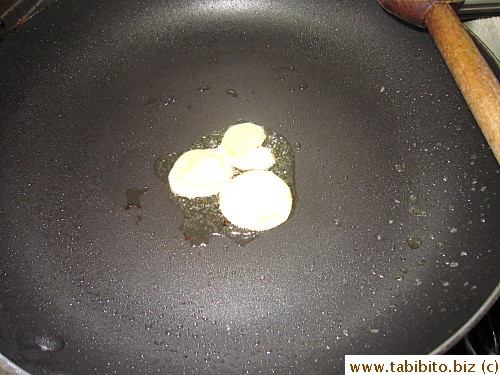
414, 243
446, 283
399, 277
203, 88
453, 230
346, 332
453, 264
134, 197
400, 167
232, 92
50, 343
416, 211
152, 101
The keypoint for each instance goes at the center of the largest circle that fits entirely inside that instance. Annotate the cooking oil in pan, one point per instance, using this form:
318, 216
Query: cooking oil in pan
202, 215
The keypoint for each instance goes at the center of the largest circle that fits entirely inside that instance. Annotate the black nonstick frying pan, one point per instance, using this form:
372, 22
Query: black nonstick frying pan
393, 244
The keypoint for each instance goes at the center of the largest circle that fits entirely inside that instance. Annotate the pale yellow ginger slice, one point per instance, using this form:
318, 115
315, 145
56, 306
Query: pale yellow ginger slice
256, 200
241, 139
200, 173
260, 158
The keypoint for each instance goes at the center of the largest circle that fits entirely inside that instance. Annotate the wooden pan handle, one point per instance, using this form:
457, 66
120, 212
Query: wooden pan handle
474, 77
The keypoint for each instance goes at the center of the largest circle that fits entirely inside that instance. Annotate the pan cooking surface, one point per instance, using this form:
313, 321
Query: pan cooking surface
391, 247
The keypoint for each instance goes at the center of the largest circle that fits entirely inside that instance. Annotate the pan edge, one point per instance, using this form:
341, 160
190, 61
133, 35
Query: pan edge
470, 324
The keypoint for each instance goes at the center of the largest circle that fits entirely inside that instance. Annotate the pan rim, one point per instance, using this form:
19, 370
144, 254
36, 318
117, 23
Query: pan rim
470, 324
11, 368
8, 365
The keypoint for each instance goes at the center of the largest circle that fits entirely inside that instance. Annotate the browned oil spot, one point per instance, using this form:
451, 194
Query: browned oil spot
134, 197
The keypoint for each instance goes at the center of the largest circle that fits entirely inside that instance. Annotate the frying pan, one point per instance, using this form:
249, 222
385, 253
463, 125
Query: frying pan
387, 156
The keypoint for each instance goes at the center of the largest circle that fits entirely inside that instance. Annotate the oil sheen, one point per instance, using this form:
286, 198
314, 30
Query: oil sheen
202, 216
